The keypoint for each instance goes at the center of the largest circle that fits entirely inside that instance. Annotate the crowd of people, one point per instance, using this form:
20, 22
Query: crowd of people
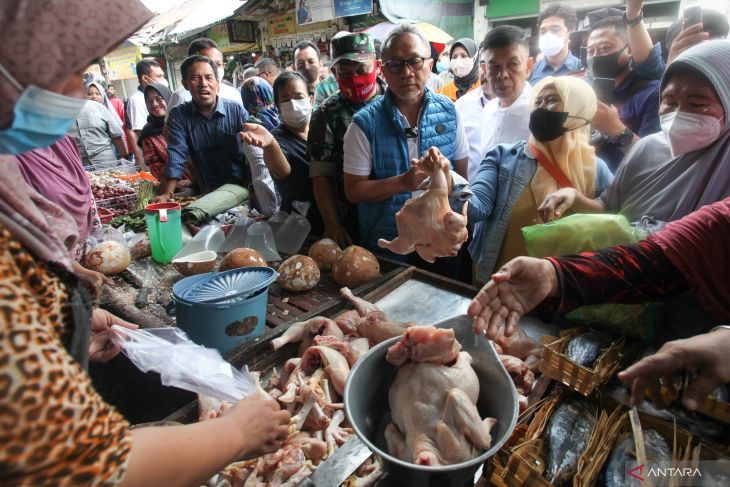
635, 127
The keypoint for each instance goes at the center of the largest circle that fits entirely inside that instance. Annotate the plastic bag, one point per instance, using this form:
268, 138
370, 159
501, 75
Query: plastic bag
579, 233
182, 363
583, 232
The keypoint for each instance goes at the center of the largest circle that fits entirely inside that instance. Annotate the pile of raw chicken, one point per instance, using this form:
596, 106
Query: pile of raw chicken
311, 388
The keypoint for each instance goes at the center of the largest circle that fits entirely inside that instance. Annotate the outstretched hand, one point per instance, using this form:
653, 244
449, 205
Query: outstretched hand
556, 204
703, 355
519, 286
257, 135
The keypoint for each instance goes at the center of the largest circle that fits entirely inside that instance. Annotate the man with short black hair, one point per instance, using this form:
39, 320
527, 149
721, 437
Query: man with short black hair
268, 69
555, 25
206, 130
507, 64
208, 48
308, 61
148, 72
635, 107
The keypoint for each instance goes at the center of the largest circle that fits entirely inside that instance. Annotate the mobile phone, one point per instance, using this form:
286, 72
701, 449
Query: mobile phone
692, 16
604, 89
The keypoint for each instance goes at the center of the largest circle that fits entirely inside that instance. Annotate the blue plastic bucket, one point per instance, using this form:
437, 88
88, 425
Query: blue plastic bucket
220, 325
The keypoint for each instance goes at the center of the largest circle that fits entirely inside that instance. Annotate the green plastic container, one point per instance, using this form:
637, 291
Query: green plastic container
165, 230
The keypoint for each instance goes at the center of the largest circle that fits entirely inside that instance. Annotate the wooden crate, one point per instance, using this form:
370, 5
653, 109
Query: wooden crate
714, 408
556, 365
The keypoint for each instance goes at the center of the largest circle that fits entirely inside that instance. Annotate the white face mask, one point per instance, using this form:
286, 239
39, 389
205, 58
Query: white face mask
296, 113
164, 82
688, 132
462, 66
221, 72
550, 44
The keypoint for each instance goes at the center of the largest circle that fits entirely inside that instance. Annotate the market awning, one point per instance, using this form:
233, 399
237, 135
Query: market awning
185, 20
263, 9
433, 34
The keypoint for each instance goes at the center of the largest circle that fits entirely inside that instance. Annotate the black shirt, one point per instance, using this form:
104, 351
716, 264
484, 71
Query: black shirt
297, 186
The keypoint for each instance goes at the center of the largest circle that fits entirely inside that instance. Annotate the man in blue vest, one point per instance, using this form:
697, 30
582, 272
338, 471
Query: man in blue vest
387, 134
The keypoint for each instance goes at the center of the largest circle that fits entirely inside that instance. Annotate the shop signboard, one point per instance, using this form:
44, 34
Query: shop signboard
346, 8
578, 4
282, 25
309, 11
122, 62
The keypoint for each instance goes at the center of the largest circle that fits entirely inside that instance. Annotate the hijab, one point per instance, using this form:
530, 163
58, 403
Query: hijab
258, 100
154, 125
57, 173
104, 100
57, 41
571, 152
701, 177
463, 84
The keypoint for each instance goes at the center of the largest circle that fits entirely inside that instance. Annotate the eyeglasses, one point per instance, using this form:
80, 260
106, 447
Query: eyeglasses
415, 64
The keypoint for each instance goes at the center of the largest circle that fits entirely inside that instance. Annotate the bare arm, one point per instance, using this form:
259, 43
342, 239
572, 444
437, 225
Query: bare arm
461, 166
132, 138
639, 39
324, 196
121, 147
274, 157
191, 454
562, 200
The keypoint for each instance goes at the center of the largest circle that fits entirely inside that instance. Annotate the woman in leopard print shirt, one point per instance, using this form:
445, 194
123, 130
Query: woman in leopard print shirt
54, 428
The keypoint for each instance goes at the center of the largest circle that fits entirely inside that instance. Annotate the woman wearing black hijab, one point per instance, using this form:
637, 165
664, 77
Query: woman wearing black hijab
465, 69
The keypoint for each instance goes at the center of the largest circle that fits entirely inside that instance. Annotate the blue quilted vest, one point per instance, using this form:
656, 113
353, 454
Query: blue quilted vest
381, 124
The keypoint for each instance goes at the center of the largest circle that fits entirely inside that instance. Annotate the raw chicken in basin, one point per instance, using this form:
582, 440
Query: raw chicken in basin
435, 420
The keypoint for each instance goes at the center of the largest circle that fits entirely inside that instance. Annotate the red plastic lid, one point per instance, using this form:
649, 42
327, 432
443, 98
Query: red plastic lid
169, 206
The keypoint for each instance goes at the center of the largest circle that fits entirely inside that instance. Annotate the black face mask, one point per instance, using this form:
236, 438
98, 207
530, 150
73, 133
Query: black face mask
546, 125
606, 66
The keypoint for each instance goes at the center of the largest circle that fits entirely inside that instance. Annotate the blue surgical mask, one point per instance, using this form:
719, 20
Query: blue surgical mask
40, 118
441, 67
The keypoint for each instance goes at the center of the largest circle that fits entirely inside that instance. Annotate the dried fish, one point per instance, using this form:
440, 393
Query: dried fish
655, 447
567, 436
587, 347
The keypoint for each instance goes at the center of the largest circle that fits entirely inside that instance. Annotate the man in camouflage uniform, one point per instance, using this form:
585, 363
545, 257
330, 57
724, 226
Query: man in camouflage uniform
356, 68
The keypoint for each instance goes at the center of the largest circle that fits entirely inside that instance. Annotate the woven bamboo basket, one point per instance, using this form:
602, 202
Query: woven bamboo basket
556, 365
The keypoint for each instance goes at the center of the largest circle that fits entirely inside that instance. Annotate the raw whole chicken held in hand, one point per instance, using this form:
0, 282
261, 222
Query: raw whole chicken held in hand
426, 224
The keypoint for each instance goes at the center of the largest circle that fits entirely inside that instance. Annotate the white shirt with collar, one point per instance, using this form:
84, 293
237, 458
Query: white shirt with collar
182, 95
506, 125
470, 108
137, 110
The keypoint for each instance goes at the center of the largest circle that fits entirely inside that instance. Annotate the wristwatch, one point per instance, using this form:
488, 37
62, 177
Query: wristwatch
624, 138
635, 21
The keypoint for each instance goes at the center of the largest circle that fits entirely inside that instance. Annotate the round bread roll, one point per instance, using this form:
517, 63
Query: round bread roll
355, 266
242, 257
298, 273
325, 252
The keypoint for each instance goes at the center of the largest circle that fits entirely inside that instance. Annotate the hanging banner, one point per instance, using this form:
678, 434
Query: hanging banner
122, 63
282, 25
346, 8
309, 11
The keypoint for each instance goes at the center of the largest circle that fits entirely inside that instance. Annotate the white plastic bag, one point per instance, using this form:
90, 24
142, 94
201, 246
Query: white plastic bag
182, 363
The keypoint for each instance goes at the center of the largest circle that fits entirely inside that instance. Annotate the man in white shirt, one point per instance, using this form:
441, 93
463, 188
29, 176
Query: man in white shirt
470, 109
505, 54
208, 48
388, 133
148, 72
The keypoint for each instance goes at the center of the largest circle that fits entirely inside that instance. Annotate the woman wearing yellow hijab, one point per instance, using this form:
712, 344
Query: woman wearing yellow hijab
514, 178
